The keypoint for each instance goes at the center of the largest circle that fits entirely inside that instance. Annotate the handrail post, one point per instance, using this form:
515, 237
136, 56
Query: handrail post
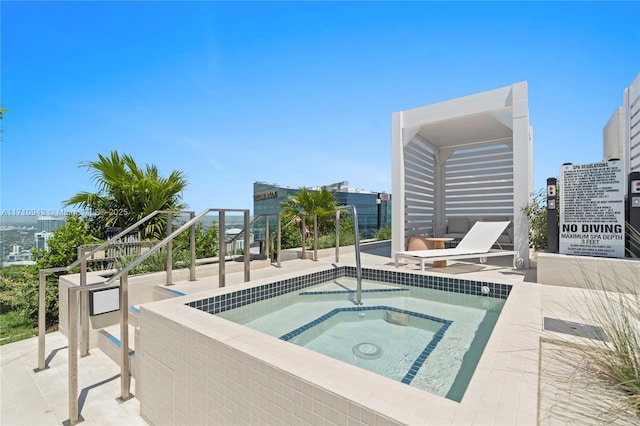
169, 280
356, 240
222, 249
279, 254
315, 237
337, 235
72, 298
42, 313
247, 248
84, 309
192, 246
303, 223
267, 237
125, 379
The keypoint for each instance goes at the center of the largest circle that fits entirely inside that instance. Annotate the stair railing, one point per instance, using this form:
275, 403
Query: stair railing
122, 276
84, 302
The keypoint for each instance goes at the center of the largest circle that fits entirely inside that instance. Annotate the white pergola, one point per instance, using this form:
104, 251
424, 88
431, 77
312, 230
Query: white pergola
467, 157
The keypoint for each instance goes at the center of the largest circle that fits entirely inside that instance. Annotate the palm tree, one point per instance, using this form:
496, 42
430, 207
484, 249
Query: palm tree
127, 193
302, 206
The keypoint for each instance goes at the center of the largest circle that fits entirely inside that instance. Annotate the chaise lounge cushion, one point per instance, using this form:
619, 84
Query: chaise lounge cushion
507, 236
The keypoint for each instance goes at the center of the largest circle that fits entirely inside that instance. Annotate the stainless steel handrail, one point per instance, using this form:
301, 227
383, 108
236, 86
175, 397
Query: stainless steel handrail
122, 275
73, 317
356, 238
83, 277
170, 237
267, 237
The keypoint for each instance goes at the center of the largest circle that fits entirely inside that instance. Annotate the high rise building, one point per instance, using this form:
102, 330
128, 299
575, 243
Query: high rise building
373, 208
41, 239
621, 135
50, 223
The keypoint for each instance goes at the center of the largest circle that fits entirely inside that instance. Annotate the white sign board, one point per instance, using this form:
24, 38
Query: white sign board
592, 209
104, 301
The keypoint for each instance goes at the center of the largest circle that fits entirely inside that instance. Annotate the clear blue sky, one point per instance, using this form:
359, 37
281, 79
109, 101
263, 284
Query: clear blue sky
293, 93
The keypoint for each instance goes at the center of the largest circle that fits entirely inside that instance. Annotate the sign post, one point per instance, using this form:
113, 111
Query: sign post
552, 215
592, 209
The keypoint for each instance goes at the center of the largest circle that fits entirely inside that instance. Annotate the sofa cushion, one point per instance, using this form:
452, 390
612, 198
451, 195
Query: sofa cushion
458, 225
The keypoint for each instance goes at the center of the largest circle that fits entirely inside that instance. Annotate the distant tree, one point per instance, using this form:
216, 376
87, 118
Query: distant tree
19, 287
63, 245
302, 206
127, 193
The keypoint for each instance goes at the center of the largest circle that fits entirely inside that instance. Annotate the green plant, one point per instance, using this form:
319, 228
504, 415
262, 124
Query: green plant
291, 237
634, 240
63, 245
206, 241
536, 212
206, 246
302, 206
127, 193
19, 288
155, 262
383, 233
614, 306
14, 326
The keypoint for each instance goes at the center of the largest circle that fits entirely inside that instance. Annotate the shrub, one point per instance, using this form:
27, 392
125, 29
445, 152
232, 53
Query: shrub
383, 233
63, 245
613, 306
19, 291
617, 362
536, 212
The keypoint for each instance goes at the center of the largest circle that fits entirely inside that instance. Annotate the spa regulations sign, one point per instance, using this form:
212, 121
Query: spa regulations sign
592, 209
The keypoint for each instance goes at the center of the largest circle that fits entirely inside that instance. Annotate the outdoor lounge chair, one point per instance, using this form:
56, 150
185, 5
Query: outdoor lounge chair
476, 243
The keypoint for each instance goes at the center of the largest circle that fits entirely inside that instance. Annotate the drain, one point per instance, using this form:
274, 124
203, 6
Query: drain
367, 350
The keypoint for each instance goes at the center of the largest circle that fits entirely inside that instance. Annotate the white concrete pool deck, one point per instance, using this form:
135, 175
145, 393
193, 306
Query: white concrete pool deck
506, 388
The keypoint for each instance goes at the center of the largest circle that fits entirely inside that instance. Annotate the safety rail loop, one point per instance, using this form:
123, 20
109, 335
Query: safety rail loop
82, 261
356, 240
267, 237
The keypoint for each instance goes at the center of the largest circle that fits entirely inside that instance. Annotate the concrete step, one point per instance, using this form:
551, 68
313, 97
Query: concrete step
134, 315
162, 292
109, 343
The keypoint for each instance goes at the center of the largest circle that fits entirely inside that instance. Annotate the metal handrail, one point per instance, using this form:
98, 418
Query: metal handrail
122, 275
170, 237
267, 237
233, 239
356, 237
83, 280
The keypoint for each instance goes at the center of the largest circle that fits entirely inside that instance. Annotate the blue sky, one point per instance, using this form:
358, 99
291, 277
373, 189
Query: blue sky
293, 93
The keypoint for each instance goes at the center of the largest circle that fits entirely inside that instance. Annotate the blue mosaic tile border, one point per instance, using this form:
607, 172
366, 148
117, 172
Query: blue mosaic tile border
347, 291
419, 361
236, 299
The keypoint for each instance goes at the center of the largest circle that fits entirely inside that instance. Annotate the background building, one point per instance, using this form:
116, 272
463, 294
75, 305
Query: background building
621, 135
19, 256
41, 239
374, 208
50, 223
